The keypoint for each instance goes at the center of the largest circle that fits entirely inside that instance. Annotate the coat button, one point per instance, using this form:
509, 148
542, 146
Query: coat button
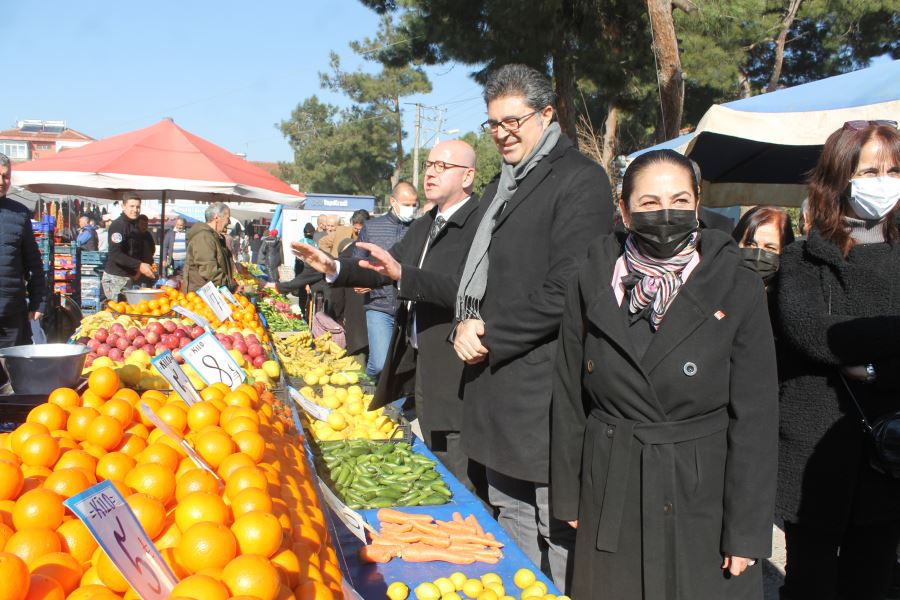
667, 508
590, 366
610, 431
690, 369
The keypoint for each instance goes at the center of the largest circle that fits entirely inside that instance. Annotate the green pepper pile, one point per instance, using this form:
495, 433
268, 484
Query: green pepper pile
371, 474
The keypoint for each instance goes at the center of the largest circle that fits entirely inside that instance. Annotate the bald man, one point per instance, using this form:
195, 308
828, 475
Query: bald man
419, 355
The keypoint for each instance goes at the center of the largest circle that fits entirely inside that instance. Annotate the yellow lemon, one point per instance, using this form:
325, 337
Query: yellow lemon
445, 585
472, 587
524, 578
496, 587
532, 591
398, 591
487, 595
427, 591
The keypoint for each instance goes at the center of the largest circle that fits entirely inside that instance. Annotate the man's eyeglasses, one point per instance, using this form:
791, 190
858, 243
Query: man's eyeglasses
860, 125
441, 166
509, 124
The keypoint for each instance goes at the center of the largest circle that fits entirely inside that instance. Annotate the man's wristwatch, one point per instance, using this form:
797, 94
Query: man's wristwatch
870, 373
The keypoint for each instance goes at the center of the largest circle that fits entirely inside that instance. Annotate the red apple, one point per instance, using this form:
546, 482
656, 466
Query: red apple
240, 346
252, 339
132, 333
173, 342
182, 342
255, 350
103, 350
111, 339
156, 327
101, 334
153, 337
117, 328
178, 357
89, 358
160, 347
93, 344
83, 340
151, 350
170, 326
122, 343
197, 331
258, 361
128, 351
140, 341
116, 354
248, 358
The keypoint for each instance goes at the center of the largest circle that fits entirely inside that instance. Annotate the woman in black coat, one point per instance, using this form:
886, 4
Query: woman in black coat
839, 316
663, 446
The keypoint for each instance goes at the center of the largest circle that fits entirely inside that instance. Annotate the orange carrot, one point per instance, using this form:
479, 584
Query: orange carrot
433, 540
389, 515
395, 528
429, 529
423, 553
454, 527
378, 554
457, 517
471, 520
475, 539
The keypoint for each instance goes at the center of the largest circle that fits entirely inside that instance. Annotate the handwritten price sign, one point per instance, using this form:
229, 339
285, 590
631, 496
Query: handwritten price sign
212, 362
348, 516
193, 317
228, 295
171, 371
110, 520
317, 412
214, 299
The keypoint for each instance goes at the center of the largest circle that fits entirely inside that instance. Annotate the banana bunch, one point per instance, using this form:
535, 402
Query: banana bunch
92, 323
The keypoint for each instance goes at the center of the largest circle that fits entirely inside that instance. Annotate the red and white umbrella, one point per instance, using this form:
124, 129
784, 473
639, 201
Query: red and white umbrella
162, 160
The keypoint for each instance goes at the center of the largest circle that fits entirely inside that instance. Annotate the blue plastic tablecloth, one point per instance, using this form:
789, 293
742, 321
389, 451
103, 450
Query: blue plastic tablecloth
372, 580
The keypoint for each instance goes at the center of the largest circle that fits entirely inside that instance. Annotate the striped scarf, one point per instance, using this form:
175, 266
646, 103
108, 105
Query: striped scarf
654, 282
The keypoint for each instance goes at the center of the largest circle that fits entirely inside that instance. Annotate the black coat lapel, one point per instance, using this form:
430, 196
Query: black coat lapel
685, 315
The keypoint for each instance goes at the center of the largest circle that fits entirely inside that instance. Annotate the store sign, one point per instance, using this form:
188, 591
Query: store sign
348, 516
212, 361
110, 520
210, 294
171, 371
193, 317
317, 412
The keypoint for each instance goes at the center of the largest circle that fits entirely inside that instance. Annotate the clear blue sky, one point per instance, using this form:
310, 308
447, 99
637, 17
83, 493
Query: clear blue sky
224, 70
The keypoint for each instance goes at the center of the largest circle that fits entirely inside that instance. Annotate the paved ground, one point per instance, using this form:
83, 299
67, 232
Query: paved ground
773, 568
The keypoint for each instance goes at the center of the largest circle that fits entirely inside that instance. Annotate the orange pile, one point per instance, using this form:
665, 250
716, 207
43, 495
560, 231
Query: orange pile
253, 530
244, 316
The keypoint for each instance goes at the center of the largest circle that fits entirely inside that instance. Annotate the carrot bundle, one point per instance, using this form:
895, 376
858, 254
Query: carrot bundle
419, 538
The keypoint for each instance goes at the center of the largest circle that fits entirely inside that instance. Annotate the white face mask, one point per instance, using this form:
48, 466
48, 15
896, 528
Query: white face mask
405, 213
874, 197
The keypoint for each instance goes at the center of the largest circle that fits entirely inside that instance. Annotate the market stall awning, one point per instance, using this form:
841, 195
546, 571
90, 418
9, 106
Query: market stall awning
758, 150
160, 158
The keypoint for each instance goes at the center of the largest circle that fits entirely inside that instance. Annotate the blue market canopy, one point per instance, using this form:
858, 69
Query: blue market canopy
758, 150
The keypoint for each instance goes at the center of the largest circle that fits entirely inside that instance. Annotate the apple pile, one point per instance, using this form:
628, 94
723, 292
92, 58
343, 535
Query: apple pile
118, 343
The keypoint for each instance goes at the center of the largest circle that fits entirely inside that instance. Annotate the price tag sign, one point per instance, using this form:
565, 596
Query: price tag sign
110, 520
317, 412
193, 317
185, 445
228, 295
349, 592
214, 299
348, 517
171, 371
212, 362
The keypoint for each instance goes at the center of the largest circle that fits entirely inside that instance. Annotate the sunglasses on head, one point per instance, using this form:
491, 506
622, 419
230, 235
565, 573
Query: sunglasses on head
859, 125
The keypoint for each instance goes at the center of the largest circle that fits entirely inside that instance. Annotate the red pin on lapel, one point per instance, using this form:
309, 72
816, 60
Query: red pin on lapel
719, 315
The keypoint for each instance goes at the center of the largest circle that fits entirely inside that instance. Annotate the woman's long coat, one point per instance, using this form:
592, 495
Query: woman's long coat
668, 461
835, 311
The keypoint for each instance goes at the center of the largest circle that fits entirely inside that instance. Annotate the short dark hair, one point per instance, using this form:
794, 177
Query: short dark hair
647, 160
359, 216
143, 218
520, 80
745, 230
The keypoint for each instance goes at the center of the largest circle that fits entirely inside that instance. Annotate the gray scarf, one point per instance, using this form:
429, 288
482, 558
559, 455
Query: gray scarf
475, 273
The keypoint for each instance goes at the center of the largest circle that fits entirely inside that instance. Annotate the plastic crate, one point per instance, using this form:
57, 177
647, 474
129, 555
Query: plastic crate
93, 257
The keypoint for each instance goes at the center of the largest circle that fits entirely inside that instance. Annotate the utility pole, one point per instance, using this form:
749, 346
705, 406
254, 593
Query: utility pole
415, 181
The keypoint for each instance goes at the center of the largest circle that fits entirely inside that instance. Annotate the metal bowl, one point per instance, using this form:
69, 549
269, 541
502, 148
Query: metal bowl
41, 368
138, 296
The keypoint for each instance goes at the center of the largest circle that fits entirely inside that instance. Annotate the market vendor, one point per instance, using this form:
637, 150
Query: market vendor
208, 257
20, 269
125, 262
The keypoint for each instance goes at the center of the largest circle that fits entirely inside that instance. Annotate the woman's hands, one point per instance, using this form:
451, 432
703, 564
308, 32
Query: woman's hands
737, 564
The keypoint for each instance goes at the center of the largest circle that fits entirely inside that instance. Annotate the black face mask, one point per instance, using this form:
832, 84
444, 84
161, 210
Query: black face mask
662, 233
762, 261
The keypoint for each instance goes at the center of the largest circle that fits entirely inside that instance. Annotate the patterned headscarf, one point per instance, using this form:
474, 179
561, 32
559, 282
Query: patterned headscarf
654, 282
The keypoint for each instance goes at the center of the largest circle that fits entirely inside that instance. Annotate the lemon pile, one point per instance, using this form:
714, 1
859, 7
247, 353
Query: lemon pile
489, 587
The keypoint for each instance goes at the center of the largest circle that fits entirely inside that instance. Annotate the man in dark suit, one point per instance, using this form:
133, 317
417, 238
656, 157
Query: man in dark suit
535, 225
419, 351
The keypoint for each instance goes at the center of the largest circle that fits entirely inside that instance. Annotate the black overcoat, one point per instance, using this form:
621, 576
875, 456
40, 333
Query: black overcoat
538, 241
834, 311
668, 460
434, 371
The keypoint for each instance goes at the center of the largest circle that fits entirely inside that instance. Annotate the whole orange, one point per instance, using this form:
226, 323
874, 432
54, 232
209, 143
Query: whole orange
160, 454
109, 574
201, 586
49, 415
114, 465
232, 463
67, 482
214, 447
174, 416
132, 444
76, 459
119, 408
104, 382
64, 397
61, 567
154, 480
79, 419
258, 532
77, 540
250, 500
245, 477
93, 592
196, 480
250, 443
31, 544
206, 545
202, 414
252, 575
149, 512
15, 577
38, 508
24, 431
11, 480
198, 507
105, 432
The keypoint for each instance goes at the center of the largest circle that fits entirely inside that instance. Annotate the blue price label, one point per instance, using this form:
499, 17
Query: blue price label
110, 520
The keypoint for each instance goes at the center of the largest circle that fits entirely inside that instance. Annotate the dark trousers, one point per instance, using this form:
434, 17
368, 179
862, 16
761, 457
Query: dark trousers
15, 330
822, 565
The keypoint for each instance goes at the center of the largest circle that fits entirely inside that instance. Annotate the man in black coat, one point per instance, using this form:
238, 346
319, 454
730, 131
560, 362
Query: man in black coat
418, 350
23, 289
124, 263
535, 225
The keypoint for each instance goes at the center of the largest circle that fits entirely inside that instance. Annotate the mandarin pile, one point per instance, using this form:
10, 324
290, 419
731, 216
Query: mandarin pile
253, 529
